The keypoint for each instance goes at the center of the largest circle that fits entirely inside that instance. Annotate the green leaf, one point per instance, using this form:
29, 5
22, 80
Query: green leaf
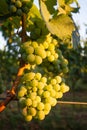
61, 25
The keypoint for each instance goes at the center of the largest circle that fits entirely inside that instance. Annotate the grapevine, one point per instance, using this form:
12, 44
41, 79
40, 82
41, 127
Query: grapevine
40, 79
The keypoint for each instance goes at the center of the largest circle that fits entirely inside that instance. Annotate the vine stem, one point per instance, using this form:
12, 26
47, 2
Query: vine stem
11, 93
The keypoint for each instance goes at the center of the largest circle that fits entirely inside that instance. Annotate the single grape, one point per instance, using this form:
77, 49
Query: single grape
32, 111
21, 93
46, 94
24, 111
40, 115
19, 12
47, 107
13, 1
59, 95
34, 103
13, 9
31, 58
64, 88
38, 60
40, 85
28, 117
18, 4
51, 58
38, 76
32, 95
40, 106
28, 102
30, 50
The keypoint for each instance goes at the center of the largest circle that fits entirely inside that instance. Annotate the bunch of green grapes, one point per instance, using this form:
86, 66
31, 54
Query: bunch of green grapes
38, 94
58, 66
35, 52
18, 7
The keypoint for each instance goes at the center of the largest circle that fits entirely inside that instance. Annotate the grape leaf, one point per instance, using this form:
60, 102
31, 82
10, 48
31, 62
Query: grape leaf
61, 25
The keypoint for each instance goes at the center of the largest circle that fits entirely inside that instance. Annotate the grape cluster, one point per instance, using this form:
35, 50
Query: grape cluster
58, 66
42, 85
34, 52
45, 53
38, 94
19, 7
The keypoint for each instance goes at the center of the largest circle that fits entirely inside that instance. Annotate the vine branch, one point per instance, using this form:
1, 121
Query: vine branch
11, 93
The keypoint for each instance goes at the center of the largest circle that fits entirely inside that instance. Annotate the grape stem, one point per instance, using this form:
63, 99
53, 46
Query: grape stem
11, 93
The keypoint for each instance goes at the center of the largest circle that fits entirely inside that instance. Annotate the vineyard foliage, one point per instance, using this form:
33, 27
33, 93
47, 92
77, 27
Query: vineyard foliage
43, 40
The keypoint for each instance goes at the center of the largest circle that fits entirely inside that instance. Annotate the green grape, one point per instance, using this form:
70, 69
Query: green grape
55, 42
48, 53
13, 1
40, 92
56, 56
48, 100
46, 94
51, 58
24, 111
38, 76
34, 89
65, 70
18, 4
43, 80
28, 76
41, 52
47, 107
49, 38
28, 102
32, 111
59, 95
30, 50
28, 117
31, 58
21, 93
46, 45
22, 102
25, 9
38, 60
48, 87
38, 99
34, 103
34, 82
52, 93
51, 47
46, 112
23, 89
19, 12
53, 81
40, 106
34, 44
13, 9
32, 95
40, 115
64, 88
40, 85
59, 79
54, 102
56, 87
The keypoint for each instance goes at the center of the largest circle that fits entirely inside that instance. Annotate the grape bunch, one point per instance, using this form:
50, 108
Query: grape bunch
45, 52
42, 84
18, 7
35, 52
38, 94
